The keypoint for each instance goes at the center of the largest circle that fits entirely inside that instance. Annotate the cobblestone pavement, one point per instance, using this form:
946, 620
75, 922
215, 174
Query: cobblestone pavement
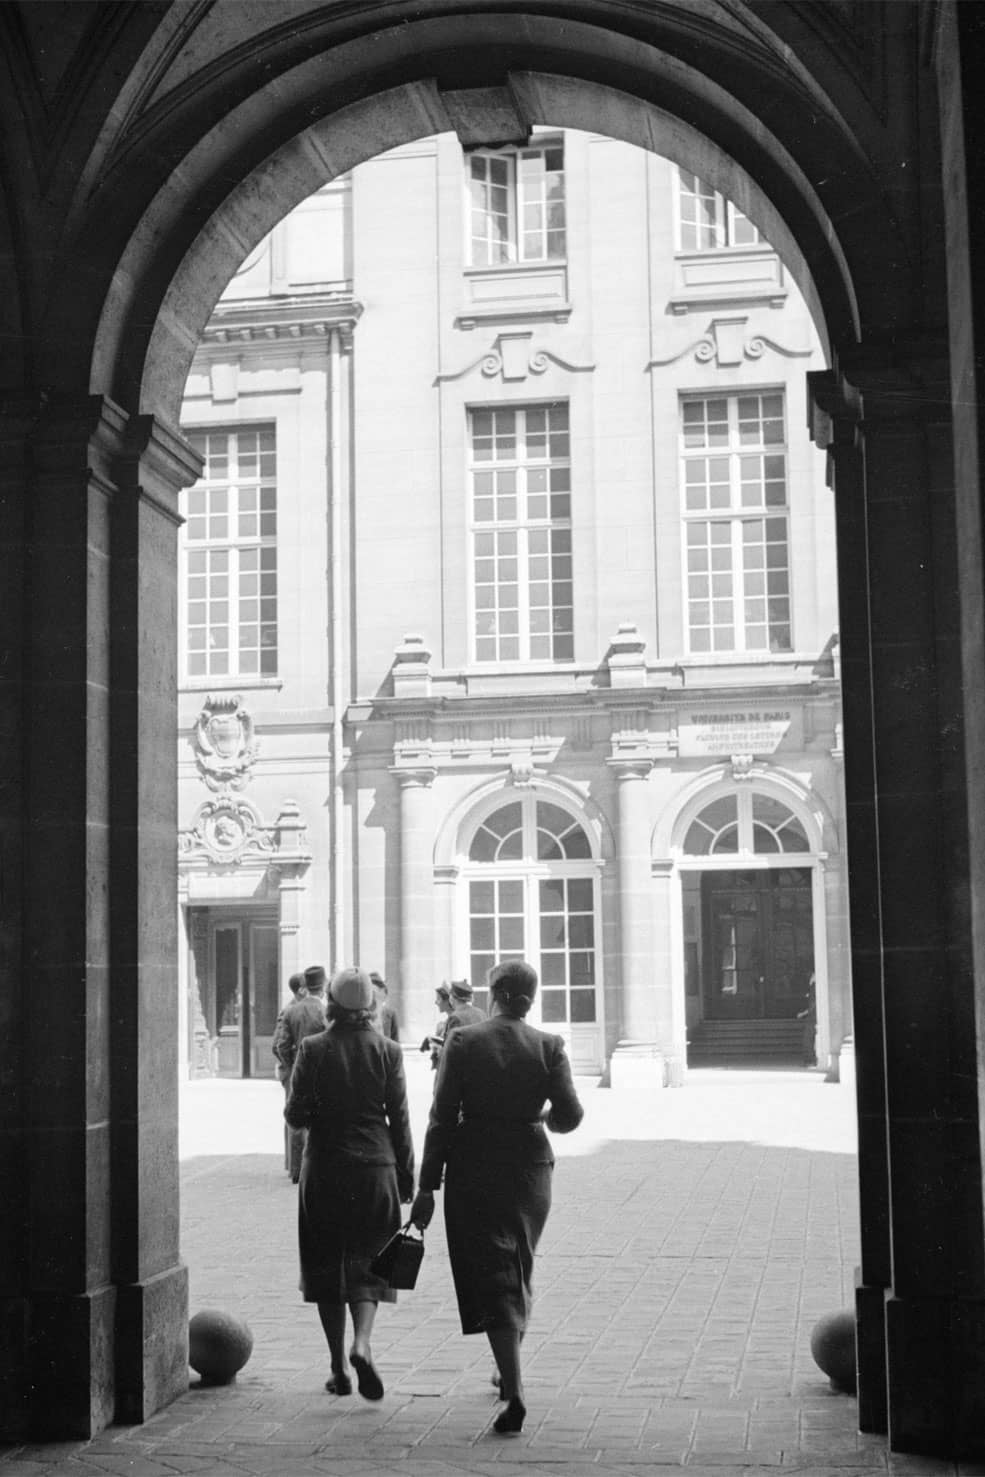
696, 1237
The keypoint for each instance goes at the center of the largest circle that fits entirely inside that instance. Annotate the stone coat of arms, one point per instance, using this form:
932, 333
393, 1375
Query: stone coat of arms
224, 743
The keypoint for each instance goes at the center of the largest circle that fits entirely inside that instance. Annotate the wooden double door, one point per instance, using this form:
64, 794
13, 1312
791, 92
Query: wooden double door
758, 943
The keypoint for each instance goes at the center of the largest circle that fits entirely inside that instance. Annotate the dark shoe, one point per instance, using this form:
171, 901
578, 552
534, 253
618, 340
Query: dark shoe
370, 1384
512, 1417
339, 1384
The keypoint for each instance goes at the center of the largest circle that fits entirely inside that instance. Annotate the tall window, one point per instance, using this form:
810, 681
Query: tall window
706, 220
230, 540
734, 475
531, 894
521, 533
517, 205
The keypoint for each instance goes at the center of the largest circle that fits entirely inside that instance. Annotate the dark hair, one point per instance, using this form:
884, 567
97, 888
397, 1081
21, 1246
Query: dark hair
348, 1020
513, 986
378, 981
296, 983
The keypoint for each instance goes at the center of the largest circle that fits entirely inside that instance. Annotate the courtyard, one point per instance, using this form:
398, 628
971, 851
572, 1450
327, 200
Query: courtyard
697, 1235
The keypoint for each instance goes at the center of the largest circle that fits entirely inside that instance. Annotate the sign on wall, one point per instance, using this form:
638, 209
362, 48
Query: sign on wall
724, 731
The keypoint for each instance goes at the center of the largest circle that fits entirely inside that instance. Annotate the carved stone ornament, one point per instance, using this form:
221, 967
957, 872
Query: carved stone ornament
512, 357
726, 342
227, 830
224, 743
742, 766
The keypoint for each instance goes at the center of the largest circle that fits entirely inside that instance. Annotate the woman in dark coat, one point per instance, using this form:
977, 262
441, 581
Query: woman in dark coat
348, 1090
486, 1132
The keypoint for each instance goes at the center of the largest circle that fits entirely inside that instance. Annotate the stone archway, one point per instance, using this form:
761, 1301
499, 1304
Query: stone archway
97, 1300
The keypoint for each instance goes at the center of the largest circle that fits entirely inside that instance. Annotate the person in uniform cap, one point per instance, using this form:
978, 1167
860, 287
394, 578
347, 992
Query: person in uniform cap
303, 1016
349, 1091
463, 1011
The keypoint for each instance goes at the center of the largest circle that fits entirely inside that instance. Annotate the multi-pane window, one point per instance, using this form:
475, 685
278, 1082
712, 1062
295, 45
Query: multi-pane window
706, 220
517, 205
535, 900
734, 475
230, 542
521, 533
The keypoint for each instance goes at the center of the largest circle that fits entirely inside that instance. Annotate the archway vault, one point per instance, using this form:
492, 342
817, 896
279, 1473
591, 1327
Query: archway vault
207, 167
120, 233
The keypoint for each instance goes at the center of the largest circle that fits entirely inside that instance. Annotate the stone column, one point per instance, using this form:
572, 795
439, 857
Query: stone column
922, 1292
151, 1282
645, 1041
415, 1003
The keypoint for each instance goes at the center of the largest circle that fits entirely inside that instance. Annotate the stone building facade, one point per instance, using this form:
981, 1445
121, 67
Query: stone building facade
509, 615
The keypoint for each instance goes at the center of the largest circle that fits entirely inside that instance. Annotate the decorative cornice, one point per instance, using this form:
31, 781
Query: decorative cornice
280, 320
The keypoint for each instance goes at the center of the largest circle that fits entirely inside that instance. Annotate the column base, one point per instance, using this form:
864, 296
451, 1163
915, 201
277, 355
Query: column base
57, 1366
637, 1064
870, 1354
936, 1356
151, 1344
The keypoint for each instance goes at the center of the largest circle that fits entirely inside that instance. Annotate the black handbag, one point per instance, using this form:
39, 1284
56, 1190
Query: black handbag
399, 1261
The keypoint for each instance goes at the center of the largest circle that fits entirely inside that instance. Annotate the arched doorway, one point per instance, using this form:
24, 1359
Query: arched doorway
750, 865
148, 189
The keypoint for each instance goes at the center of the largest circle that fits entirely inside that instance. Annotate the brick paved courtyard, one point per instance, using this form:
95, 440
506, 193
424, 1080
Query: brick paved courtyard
696, 1237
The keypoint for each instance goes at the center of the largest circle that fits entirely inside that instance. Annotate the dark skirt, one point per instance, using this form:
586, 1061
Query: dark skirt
346, 1213
494, 1216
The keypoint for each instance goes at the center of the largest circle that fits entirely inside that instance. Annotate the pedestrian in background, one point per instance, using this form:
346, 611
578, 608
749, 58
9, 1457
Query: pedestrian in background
293, 1141
463, 1012
434, 1042
348, 1090
301, 1018
386, 1016
486, 1135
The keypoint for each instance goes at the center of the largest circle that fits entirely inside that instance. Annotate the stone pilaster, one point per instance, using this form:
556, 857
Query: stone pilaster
417, 904
151, 1321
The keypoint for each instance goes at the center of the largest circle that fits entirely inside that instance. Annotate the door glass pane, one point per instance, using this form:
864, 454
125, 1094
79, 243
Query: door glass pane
227, 979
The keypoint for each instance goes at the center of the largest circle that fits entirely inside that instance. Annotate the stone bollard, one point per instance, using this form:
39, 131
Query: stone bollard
218, 1346
833, 1350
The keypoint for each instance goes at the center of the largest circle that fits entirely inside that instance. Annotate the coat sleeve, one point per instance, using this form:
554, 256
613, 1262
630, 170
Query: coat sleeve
566, 1111
299, 1109
398, 1119
443, 1119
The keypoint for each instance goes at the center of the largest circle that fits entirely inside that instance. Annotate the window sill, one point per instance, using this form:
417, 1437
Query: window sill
225, 684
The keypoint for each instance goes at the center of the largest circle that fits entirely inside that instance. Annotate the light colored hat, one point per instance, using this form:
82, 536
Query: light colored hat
352, 989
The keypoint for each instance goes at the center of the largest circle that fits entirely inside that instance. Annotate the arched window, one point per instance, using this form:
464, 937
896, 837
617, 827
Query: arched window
531, 885
745, 822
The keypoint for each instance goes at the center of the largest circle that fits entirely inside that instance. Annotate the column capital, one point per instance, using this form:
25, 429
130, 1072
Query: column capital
834, 410
420, 778
637, 767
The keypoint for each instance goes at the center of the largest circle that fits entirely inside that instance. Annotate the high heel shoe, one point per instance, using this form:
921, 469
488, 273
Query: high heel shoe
512, 1417
370, 1384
